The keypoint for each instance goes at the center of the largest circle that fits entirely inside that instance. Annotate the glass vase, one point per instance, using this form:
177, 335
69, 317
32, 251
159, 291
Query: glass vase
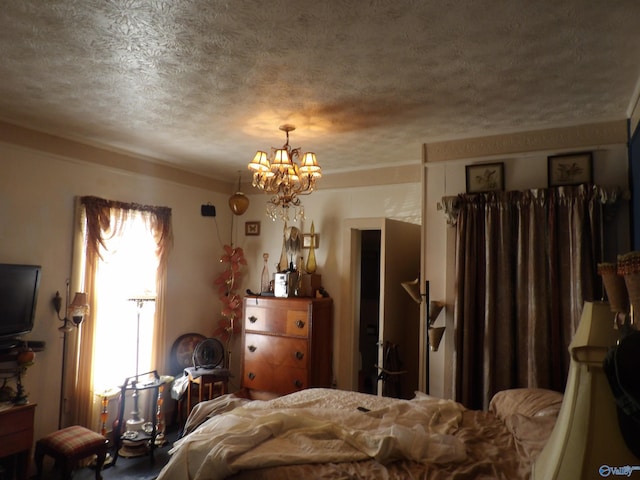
311, 258
265, 279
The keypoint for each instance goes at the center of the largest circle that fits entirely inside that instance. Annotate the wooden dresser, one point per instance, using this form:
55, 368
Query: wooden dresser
286, 344
16, 437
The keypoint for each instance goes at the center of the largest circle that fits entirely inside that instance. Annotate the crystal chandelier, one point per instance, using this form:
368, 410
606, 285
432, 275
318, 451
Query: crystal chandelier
286, 174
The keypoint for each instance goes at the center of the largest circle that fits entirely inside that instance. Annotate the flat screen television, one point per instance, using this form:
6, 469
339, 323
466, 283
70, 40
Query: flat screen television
19, 286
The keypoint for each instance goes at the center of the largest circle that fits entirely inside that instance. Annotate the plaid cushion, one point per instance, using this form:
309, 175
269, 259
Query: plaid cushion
72, 441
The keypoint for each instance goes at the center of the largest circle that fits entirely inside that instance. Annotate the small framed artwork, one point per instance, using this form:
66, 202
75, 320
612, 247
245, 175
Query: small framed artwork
485, 177
252, 228
306, 240
570, 169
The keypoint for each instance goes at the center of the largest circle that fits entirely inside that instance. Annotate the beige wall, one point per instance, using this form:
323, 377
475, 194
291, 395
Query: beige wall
37, 191
328, 209
36, 210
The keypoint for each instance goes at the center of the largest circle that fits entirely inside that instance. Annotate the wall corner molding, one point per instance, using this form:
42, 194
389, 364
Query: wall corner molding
552, 139
67, 149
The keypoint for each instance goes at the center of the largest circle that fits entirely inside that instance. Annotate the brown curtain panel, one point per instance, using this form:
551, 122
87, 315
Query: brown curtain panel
105, 219
525, 263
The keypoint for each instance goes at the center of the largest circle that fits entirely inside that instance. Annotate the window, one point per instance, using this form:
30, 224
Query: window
126, 271
120, 257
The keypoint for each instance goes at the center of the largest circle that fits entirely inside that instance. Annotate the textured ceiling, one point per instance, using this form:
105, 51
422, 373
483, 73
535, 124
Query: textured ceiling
204, 84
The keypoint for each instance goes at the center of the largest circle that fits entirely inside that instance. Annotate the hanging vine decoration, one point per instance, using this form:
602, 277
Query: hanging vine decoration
228, 283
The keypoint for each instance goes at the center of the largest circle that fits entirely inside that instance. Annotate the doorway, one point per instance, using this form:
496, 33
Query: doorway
398, 317
369, 310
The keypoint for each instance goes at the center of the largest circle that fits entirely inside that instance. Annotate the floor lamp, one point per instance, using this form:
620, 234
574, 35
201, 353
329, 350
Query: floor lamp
78, 309
135, 422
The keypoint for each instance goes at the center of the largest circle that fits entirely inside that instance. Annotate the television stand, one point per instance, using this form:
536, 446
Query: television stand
8, 344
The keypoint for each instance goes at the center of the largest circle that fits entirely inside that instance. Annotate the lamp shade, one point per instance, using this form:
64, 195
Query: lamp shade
629, 267
435, 308
79, 307
413, 289
260, 162
309, 164
292, 174
435, 336
614, 286
281, 159
80, 300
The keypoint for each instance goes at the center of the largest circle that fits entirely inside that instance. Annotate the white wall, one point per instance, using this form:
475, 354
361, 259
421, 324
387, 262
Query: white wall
522, 171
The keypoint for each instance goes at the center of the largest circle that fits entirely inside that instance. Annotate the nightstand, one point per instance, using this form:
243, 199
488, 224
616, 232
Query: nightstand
206, 380
16, 436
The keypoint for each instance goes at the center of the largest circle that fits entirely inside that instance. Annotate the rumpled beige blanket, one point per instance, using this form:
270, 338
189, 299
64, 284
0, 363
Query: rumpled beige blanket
318, 426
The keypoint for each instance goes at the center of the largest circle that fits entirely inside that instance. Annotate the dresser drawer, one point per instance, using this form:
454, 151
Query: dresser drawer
16, 420
16, 442
16, 431
276, 351
286, 343
278, 321
273, 378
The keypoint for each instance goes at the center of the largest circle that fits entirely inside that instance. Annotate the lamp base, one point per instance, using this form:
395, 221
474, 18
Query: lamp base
133, 449
135, 424
586, 440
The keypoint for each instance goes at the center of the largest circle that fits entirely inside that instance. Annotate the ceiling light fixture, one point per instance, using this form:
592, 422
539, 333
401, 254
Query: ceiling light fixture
286, 173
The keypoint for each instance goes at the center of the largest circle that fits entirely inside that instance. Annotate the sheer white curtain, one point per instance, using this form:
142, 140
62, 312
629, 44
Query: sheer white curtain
127, 271
122, 249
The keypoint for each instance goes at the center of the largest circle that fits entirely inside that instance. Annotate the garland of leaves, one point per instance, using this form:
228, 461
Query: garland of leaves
228, 283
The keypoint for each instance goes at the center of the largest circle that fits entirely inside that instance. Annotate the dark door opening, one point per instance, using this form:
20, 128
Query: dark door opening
369, 310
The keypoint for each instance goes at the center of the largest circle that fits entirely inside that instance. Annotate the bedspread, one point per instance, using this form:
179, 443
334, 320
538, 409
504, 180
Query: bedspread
324, 433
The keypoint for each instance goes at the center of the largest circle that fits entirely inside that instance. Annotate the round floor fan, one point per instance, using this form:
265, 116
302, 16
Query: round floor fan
208, 354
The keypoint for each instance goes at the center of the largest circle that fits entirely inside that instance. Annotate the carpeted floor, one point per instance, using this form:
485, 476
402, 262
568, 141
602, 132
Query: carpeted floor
137, 468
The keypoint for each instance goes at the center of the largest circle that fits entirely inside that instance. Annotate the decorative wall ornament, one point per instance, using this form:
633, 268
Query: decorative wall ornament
228, 283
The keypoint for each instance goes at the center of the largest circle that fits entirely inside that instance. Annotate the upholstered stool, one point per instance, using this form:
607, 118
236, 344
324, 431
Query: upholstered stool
70, 445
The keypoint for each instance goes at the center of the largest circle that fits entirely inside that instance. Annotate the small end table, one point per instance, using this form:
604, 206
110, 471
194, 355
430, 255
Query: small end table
205, 380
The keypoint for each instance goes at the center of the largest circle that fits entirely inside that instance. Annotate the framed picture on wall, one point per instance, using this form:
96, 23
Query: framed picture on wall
485, 177
252, 228
570, 169
307, 239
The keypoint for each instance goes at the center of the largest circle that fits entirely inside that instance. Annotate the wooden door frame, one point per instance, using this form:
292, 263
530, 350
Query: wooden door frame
347, 359
348, 329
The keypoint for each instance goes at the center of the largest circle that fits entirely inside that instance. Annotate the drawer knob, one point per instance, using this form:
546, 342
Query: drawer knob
253, 319
299, 355
252, 348
299, 324
298, 384
251, 375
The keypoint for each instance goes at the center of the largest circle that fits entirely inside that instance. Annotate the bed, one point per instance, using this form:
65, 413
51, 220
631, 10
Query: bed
328, 433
